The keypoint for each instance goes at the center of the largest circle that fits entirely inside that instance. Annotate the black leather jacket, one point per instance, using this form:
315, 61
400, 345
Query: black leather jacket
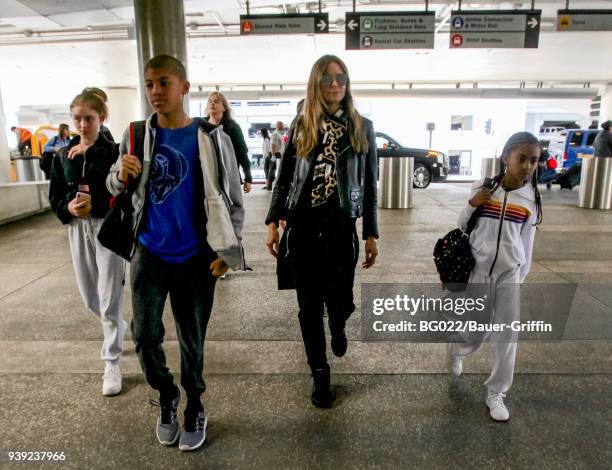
93, 167
356, 175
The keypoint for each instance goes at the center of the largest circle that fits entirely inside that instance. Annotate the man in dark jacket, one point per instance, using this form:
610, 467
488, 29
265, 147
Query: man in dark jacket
603, 141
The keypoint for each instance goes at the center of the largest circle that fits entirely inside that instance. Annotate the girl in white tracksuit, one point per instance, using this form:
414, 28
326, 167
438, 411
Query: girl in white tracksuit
79, 198
502, 243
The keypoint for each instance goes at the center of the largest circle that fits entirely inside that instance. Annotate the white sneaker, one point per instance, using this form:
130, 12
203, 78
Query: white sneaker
111, 385
455, 363
495, 402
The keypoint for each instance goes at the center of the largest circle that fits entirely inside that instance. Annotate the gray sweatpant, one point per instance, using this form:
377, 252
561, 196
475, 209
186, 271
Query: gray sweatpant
99, 275
504, 293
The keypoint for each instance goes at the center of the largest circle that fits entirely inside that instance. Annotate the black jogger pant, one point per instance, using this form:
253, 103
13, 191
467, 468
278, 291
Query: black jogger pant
191, 288
323, 263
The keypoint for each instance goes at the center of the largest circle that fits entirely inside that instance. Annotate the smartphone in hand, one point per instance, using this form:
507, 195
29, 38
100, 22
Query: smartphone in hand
82, 197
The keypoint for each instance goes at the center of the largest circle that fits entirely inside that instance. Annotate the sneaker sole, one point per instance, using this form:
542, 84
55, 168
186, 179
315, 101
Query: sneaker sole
199, 444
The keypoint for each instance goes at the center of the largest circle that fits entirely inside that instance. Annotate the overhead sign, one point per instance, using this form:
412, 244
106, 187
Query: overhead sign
390, 30
584, 20
284, 24
495, 29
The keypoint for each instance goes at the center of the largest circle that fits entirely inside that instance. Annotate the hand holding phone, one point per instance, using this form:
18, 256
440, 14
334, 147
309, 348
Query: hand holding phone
80, 206
83, 197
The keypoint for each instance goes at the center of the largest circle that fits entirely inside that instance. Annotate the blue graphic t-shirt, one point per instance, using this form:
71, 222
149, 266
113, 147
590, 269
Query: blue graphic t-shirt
173, 227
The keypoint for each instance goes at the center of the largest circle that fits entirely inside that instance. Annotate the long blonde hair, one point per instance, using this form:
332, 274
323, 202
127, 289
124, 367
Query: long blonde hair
309, 121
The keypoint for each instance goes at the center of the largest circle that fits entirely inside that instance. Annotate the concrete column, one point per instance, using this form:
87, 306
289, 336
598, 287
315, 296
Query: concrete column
124, 107
160, 29
605, 111
5, 159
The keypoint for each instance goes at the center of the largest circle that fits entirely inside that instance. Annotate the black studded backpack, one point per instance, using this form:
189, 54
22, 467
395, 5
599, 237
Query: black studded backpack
453, 253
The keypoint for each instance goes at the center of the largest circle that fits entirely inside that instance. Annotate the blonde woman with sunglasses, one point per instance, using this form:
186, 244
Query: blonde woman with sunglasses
327, 180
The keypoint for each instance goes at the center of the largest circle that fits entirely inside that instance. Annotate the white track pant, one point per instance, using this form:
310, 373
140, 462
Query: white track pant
504, 296
99, 275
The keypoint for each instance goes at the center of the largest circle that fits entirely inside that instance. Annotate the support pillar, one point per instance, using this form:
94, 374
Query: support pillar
160, 29
605, 110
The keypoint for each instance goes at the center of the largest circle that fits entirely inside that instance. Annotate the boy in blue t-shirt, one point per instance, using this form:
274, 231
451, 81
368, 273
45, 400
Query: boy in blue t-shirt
172, 256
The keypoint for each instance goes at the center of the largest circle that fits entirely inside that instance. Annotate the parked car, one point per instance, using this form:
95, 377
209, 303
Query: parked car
429, 165
571, 145
546, 132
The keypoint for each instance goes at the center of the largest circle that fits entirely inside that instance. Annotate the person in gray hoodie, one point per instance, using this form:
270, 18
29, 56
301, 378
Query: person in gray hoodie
188, 217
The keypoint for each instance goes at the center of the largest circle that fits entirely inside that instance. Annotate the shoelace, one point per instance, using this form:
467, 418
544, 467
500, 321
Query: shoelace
168, 412
197, 426
112, 373
498, 400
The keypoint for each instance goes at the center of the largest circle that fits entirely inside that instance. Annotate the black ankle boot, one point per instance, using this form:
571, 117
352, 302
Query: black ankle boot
321, 394
339, 343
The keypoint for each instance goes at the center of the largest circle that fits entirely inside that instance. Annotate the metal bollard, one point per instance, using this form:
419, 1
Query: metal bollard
395, 180
489, 168
595, 190
26, 169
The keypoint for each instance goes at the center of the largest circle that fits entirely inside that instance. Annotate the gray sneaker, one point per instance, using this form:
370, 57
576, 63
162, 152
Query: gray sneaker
194, 432
167, 429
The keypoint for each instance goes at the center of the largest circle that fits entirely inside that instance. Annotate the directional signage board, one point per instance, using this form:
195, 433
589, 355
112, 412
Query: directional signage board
284, 24
495, 29
584, 20
390, 30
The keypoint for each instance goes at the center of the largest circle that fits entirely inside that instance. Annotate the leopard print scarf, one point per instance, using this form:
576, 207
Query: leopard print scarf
324, 182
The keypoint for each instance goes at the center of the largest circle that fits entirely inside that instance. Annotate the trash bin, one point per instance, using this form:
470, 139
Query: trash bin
596, 183
26, 168
395, 182
489, 168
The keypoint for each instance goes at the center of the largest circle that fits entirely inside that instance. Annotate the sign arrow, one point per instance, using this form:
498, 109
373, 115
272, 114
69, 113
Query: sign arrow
352, 25
321, 25
533, 22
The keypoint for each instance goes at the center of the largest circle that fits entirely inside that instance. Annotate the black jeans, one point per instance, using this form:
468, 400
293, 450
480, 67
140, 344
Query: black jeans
191, 288
323, 260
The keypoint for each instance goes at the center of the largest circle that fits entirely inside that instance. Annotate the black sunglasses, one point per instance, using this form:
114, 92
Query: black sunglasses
341, 79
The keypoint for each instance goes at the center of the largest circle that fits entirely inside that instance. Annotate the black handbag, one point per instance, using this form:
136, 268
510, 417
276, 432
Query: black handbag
116, 232
45, 162
453, 253
453, 257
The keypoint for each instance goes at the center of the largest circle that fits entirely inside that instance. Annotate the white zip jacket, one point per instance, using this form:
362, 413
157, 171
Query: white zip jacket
502, 239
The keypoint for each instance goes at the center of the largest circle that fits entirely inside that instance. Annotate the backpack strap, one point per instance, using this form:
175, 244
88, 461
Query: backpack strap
473, 219
137, 132
489, 183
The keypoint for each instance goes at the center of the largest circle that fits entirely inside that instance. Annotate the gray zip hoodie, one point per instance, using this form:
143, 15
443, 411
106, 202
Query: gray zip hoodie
222, 189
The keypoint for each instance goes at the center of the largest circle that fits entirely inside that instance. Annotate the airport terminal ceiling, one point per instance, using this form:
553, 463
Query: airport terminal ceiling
90, 39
